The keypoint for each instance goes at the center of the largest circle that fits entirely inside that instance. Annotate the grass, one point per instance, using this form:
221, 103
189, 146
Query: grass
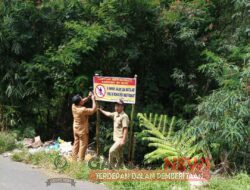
147, 185
237, 182
240, 181
79, 170
7, 142
76, 170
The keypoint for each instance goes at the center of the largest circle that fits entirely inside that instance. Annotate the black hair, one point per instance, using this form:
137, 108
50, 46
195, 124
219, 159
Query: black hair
76, 99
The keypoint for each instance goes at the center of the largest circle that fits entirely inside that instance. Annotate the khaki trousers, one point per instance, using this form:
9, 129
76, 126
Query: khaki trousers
116, 155
80, 146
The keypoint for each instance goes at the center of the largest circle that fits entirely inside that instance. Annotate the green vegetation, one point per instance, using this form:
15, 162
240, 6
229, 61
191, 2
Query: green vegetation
7, 142
222, 121
79, 170
46, 160
50, 51
240, 181
160, 134
191, 57
148, 185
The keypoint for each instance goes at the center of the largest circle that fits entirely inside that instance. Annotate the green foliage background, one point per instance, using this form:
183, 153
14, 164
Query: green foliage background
191, 58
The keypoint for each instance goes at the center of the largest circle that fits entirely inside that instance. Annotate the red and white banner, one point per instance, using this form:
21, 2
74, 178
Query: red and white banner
111, 89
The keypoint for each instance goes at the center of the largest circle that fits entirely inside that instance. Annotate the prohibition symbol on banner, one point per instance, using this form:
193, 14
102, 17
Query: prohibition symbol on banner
100, 91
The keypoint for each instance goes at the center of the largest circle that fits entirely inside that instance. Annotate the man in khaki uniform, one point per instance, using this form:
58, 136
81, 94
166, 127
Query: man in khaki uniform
121, 123
80, 125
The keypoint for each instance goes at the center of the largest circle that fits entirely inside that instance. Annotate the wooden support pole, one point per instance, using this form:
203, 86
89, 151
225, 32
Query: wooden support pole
98, 120
97, 128
131, 134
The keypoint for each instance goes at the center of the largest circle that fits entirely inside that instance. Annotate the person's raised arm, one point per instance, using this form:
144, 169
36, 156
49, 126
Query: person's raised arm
93, 103
87, 98
89, 111
106, 113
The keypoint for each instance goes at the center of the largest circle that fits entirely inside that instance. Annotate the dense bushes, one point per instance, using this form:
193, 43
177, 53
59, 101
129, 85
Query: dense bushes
7, 142
51, 50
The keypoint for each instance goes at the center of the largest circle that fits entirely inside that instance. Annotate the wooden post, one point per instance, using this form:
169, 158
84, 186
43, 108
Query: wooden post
131, 134
97, 128
98, 120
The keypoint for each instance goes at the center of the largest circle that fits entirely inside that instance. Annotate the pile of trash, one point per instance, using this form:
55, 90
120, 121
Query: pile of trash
36, 145
64, 148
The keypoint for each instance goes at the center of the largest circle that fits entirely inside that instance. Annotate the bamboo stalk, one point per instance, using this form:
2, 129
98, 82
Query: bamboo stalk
131, 133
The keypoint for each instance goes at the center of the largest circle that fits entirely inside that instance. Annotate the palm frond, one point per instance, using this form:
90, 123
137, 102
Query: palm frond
159, 131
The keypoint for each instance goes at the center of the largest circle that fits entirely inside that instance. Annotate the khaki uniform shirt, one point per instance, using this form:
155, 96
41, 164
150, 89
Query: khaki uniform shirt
81, 118
121, 121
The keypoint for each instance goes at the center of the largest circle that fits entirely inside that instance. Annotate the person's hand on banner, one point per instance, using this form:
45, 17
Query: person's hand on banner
90, 94
93, 97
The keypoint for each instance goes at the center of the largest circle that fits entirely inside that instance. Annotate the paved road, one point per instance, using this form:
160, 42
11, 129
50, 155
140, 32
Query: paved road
15, 175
